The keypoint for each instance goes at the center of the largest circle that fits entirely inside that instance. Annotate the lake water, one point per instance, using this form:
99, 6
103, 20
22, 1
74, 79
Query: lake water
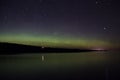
61, 66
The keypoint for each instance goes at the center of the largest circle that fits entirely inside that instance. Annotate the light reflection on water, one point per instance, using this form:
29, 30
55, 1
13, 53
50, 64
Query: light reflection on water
54, 63
52, 60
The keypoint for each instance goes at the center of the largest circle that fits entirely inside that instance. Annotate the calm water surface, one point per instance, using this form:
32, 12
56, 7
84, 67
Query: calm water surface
61, 66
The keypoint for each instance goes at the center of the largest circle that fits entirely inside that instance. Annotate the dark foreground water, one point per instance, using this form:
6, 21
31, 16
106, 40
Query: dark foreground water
61, 66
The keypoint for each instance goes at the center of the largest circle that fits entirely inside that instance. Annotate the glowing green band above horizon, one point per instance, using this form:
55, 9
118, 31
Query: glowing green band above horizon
52, 41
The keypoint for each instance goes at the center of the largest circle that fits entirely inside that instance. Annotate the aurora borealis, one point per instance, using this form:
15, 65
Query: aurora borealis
61, 23
48, 41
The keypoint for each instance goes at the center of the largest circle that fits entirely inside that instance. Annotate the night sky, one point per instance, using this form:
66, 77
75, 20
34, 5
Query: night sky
61, 23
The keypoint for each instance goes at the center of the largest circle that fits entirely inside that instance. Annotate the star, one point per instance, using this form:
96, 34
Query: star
105, 28
41, 1
5, 17
96, 2
55, 33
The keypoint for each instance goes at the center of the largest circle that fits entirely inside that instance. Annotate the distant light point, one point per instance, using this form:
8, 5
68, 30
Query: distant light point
43, 47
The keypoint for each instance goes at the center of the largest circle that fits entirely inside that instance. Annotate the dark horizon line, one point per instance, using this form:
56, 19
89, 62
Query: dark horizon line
14, 48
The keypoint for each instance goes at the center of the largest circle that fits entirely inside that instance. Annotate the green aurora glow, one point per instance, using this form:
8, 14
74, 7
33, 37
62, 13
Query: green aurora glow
52, 41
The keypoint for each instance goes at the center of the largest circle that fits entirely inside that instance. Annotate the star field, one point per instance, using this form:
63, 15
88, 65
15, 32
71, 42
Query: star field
77, 22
